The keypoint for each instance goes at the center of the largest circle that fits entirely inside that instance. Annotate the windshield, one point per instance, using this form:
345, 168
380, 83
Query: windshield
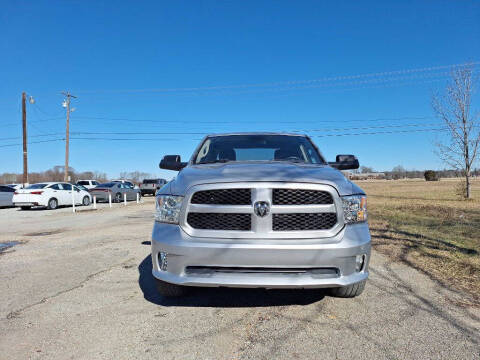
146, 181
258, 148
37, 186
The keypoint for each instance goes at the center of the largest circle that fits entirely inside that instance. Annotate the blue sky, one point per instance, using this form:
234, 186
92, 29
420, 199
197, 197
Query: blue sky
104, 51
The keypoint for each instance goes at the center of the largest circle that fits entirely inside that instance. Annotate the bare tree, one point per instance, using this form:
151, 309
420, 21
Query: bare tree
366, 169
454, 108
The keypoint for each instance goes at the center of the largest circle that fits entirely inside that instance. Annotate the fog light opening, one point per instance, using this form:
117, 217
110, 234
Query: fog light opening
360, 262
162, 260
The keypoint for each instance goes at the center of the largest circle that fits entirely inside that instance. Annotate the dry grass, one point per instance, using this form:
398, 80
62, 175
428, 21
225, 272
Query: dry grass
426, 225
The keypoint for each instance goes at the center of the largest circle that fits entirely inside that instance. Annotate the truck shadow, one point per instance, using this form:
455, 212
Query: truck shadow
224, 297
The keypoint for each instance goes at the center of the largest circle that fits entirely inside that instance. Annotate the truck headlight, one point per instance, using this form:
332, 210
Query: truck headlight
354, 208
167, 208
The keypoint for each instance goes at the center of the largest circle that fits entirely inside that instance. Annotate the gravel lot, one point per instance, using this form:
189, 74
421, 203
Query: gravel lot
79, 286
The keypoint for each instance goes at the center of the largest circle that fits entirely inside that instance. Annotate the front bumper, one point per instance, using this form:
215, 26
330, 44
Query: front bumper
184, 251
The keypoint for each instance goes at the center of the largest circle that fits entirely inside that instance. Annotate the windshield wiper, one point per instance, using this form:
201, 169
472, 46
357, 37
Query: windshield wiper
214, 161
297, 161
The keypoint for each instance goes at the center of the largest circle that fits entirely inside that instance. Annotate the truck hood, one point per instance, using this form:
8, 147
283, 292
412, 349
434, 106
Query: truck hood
259, 171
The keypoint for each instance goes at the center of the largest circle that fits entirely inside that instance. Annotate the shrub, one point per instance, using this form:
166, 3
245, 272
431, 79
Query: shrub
430, 175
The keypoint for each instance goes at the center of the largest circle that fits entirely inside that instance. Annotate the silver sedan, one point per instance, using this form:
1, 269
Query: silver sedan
116, 190
6, 195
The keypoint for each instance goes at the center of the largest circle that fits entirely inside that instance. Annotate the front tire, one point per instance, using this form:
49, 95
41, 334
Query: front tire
118, 197
170, 290
86, 201
349, 291
52, 204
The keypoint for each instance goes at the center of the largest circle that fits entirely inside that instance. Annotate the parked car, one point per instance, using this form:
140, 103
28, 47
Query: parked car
150, 186
16, 186
6, 195
50, 195
116, 191
81, 187
260, 210
129, 183
89, 184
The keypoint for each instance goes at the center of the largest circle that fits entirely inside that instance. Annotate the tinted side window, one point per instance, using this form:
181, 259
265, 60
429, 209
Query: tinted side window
6, 189
67, 187
55, 187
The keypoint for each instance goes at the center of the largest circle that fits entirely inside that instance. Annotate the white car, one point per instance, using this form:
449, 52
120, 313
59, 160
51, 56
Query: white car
89, 184
50, 195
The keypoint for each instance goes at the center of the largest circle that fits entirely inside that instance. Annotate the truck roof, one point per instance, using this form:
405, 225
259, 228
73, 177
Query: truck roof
256, 133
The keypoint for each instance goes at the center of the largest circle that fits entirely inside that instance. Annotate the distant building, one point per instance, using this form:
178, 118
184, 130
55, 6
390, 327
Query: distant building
366, 176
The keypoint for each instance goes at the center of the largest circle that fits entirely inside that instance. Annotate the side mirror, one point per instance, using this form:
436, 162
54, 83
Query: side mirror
345, 162
172, 162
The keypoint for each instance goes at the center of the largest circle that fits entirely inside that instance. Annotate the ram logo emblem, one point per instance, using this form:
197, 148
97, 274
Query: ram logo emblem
261, 208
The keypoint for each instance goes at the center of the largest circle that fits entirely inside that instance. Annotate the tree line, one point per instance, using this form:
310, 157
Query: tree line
57, 174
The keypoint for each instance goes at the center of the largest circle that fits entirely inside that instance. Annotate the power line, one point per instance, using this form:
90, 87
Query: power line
326, 135
33, 142
123, 139
38, 135
382, 132
204, 132
137, 133
368, 127
403, 72
216, 122
170, 139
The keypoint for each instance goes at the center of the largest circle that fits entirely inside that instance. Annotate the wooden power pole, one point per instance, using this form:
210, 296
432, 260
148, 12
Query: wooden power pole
24, 126
67, 137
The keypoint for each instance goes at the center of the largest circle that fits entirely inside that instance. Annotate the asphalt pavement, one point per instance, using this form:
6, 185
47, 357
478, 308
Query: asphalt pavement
79, 286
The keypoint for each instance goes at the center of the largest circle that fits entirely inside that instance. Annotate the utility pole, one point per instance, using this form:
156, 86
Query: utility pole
67, 137
24, 126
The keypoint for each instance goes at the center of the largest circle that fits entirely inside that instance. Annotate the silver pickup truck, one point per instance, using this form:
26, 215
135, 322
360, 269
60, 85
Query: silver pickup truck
260, 210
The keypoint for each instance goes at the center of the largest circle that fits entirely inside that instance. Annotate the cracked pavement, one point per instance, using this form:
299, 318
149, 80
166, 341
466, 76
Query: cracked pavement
79, 287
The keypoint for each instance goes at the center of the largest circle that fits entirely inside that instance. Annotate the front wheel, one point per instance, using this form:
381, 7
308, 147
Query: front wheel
118, 197
170, 290
349, 291
86, 201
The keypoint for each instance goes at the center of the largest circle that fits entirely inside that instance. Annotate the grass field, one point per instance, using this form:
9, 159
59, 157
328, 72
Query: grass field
426, 225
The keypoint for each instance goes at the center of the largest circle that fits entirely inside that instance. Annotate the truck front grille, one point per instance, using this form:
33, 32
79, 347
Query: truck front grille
300, 197
262, 210
298, 222
219, 221
223, 197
